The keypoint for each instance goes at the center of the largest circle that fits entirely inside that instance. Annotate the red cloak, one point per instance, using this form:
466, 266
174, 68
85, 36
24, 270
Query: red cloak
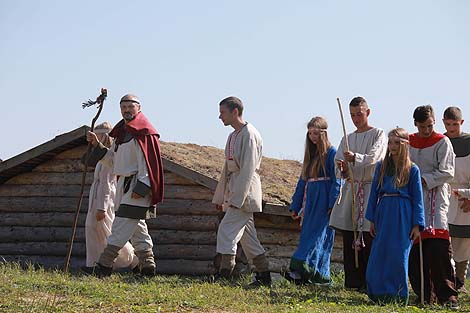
148, 139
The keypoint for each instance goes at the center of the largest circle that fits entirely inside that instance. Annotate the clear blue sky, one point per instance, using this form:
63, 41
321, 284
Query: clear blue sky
287, 60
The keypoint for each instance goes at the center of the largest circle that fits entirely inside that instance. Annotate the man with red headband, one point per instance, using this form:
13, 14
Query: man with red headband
136, 161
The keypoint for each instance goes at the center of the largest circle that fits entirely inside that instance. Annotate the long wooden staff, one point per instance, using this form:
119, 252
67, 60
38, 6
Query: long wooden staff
351, 179
99, 102
421, 268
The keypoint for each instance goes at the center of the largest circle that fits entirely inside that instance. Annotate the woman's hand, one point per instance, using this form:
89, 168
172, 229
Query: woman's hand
372, 230
135, 195
414, 232
92, 138
294, 215
100, 215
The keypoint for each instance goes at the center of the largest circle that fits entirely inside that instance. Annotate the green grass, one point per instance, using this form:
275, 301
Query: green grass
37, 290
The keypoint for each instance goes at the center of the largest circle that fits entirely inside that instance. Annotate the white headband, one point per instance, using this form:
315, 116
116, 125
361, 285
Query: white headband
401, 139
102, 131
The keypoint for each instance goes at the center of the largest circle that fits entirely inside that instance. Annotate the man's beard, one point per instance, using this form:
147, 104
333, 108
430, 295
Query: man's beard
128, 117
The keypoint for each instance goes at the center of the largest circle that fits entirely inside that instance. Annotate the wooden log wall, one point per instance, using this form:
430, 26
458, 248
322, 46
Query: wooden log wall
37, 208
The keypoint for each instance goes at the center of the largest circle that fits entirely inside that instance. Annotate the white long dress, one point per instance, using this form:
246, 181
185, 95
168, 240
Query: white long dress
102, 196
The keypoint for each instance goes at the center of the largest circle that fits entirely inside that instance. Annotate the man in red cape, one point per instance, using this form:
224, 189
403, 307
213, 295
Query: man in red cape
136, 161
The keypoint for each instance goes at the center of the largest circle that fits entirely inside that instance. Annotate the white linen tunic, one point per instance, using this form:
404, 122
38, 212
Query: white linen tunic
128, 161
239, 193
370, 148
436, 163
240, 185
460, 183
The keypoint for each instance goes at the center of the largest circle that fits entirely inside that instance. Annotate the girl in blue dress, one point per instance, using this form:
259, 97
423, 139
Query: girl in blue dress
396, 214
315, 195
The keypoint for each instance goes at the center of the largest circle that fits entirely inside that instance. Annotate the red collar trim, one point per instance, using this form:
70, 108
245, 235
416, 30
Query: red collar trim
422, 142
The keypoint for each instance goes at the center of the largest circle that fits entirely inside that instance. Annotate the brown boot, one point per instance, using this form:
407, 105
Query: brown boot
227, 264
108, 256
146, 262
263, 275
460, 273
261, 279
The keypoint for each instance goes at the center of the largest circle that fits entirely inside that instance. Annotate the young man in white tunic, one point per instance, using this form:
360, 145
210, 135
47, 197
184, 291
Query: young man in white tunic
459, 207
433, 154
238, 194
367, 146
135, 159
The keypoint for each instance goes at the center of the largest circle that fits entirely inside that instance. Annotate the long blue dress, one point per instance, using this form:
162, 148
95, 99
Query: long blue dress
394, 213
312, 258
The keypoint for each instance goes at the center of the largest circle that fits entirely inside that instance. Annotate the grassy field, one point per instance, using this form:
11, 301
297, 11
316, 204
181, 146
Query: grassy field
37, 290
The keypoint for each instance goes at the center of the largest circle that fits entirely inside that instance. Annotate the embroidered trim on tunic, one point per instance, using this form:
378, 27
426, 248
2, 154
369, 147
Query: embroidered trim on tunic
232, 138
359, 243
432, 200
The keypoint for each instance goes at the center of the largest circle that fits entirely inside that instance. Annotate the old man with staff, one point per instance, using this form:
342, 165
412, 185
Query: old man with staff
136, 161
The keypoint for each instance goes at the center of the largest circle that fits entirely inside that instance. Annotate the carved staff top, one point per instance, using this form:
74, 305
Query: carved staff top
99, 101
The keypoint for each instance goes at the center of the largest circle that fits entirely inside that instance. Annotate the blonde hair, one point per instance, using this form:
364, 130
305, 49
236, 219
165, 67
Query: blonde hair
104, 128
315, 154
401, 173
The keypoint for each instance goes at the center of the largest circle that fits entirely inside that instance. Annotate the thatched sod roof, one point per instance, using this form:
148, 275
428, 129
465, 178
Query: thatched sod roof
278, 177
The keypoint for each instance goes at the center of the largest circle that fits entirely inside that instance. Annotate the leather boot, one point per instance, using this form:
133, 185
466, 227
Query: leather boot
146, 262
261, 279
101, 271
460, 273
263, 275
108, 256
227, 264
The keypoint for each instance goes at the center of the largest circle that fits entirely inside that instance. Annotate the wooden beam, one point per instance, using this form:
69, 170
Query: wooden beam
19, 234
178, 266
271, 236
61, 166
162, 251
275, 222
39, 190
173, 222
182, 222
48, 146
40, 219
276, 209
68, 204
61, 179
189, 174
75, 178
74, 153
41, 204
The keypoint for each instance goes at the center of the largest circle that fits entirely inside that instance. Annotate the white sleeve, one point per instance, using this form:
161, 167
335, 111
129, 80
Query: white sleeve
445, 171
375, 154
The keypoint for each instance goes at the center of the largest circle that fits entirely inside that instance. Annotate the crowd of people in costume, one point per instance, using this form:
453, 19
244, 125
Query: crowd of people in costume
399, 200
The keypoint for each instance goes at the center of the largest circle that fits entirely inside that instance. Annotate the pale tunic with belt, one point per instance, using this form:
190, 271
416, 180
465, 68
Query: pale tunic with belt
459, 221
240, 184
436, 162
128, 161
460, 183
370, 147
101, 198
239, 193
